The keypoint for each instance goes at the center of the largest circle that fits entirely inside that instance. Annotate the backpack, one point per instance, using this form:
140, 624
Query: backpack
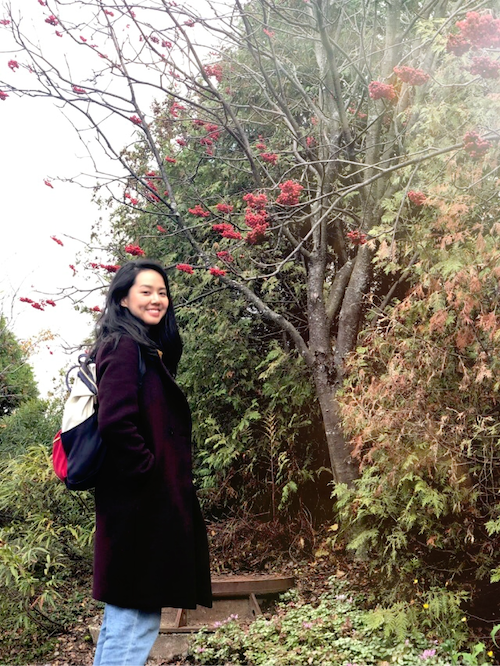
77, 449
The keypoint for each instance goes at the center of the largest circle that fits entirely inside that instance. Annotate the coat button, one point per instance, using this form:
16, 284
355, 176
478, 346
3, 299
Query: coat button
170, 431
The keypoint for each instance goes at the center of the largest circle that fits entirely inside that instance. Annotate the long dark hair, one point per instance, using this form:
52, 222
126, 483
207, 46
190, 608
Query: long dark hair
117, 320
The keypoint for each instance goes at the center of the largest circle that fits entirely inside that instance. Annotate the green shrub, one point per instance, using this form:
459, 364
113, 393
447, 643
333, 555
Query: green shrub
420, 406
45, 534
33, 422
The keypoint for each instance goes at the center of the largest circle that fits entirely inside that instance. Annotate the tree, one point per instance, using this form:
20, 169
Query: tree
17, 384
277, 154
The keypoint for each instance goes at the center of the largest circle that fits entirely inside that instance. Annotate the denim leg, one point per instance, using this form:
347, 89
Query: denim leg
128, 636
101, 639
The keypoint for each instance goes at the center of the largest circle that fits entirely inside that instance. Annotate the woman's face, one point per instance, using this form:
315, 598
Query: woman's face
147, 298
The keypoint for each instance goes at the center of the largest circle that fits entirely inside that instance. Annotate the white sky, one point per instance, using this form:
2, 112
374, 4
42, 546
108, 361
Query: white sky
36, 143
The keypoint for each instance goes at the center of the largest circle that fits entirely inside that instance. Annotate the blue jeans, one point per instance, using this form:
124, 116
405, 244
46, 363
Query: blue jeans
126, 637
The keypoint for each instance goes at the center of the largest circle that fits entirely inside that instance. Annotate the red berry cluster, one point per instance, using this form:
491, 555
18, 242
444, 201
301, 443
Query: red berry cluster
417, 198
224, 208
217, 272
40, 305
51, 20
457, 44
256, 217
59, 242
5, 22
136, 120
227, 230
13, 64
480, 30
214, 70
225, 256
213, 134
475, 146
415, 77
151, 185
174, 107
379, 90
272, 158
3, 95
185, 268
213, 131
134, 250
79, 91
290, 192
133, 201
485, 67
110, 268
357, 237
255, 200
198, 211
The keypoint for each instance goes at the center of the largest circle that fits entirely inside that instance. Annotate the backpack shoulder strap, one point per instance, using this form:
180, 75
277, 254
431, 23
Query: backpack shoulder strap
86, 373
142, 367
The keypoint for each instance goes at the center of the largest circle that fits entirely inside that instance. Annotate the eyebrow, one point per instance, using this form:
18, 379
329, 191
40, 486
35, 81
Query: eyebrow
148, 286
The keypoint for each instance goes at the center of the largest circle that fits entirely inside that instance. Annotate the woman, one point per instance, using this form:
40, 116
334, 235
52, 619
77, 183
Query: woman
150, 545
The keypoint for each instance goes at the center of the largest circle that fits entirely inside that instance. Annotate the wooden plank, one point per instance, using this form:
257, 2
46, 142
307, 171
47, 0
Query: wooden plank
186, 630
243, 586
180, 618
255, 605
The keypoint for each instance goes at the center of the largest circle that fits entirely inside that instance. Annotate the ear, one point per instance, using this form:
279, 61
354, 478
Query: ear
124, 302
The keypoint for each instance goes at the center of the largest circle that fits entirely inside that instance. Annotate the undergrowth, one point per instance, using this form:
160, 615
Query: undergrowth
341, 630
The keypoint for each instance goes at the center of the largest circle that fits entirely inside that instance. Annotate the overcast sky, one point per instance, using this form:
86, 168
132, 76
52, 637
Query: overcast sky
37, 143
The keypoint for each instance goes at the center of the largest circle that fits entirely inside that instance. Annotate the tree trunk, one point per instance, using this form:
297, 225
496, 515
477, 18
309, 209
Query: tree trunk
344, 467
321, 363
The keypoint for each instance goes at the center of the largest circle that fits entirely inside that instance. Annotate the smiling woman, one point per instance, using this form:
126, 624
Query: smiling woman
151, 547
147, 298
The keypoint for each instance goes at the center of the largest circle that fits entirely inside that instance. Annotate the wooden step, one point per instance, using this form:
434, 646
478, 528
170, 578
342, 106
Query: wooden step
232, 596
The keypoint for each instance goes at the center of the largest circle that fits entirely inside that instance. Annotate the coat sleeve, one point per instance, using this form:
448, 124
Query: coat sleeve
119, 418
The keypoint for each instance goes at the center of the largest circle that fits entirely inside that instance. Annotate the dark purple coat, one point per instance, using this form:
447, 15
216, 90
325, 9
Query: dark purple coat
151, 545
